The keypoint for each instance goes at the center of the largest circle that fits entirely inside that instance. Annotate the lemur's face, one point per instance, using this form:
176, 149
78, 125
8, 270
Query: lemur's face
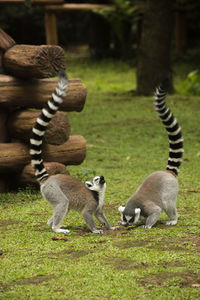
97, 184
129, 219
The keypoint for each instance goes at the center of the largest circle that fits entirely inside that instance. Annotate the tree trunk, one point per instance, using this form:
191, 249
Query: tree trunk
154, 51
35, 93
181, 32
26, 61
20, 124
14, 156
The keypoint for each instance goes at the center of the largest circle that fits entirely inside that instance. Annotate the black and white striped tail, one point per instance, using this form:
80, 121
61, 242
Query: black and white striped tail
172, 127
42, 122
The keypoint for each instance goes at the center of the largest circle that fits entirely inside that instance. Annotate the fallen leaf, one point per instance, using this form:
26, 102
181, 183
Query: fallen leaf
59, 238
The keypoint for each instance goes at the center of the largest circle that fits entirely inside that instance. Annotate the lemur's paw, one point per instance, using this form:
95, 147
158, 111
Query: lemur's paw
114, 228
146, 226
98, 231
121, 223
170, 223
59, 230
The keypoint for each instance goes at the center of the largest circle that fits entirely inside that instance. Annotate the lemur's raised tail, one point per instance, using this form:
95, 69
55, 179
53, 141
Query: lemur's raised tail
63, 191
172, 127
42, 122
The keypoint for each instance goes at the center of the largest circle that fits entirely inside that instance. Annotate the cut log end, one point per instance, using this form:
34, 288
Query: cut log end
30, 61
51, 59
6, 41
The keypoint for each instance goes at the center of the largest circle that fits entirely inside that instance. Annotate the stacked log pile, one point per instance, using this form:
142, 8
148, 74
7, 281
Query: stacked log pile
25, 86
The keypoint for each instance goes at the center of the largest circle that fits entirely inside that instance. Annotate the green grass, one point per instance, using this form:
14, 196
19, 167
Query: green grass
125, 142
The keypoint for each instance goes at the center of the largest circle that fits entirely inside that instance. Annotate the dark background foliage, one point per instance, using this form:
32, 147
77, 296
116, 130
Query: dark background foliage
25, 23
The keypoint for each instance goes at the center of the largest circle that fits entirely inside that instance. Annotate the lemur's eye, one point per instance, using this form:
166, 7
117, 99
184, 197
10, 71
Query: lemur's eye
96, 179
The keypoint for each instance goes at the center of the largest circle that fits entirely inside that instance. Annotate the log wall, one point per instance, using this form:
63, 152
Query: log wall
25, 87
14, 156
35, 93
21, 122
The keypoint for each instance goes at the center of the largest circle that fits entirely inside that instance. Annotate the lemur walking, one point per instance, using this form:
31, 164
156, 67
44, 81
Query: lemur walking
63, 191
159, 191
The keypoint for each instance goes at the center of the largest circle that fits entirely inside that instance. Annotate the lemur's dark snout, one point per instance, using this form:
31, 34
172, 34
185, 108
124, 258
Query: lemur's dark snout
102, 180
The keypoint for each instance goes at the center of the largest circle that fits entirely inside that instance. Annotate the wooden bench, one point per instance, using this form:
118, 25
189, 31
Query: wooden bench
42, 2
51, 7
50, 17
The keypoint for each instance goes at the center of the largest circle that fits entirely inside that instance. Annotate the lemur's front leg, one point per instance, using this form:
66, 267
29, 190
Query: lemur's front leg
87, 215
102, 219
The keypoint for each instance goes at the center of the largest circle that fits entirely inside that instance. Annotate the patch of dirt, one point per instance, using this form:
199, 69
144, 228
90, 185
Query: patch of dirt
165, 244
131, 244
181, 279
69, 253
36, 214
3, 287
9, 222
98, 242
116, 232
84, 231
176, 264
162, 246
5, 223
195, 239
36, 280
177, 244
120, 263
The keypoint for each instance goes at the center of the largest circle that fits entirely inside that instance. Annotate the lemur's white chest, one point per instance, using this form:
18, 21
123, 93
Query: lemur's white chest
101, 199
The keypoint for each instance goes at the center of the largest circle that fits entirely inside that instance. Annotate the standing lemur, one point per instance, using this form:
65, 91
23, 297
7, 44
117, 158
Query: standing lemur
63, 191
159, 190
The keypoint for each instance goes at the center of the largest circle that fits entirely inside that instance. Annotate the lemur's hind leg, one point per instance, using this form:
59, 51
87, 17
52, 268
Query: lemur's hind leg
102, 219
171, 211
60, 203
50, 223
60, 212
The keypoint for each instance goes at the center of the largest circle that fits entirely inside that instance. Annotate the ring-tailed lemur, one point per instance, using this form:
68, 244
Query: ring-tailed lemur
63, 191
159, 190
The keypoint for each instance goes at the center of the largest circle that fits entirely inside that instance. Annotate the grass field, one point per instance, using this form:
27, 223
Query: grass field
125, 142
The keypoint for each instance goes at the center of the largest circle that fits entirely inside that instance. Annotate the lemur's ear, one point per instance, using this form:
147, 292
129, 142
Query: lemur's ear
137, 211
121, 208
88, 184
137, 215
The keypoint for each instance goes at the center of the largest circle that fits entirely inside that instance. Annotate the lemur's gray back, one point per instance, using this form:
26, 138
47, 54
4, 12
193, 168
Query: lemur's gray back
41, 124
172, 127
